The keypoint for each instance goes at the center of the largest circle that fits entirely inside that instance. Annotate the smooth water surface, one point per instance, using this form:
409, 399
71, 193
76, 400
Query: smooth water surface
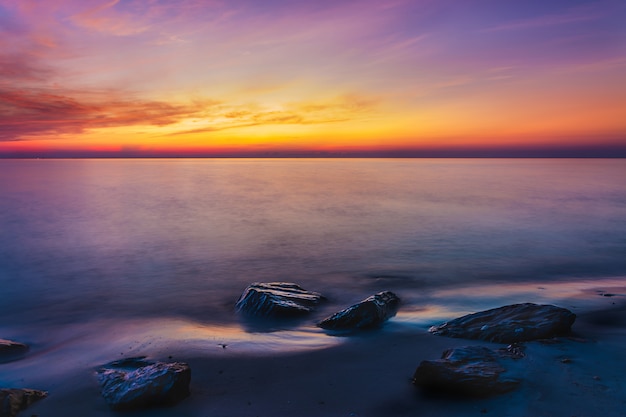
87, 239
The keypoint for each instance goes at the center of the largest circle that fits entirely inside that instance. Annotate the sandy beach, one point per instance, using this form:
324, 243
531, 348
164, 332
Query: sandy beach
303, 371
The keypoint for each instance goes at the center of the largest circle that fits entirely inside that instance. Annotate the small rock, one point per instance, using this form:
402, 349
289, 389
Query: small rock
371, 312
136, 383
469, 371
14, 400
10, 350
510, 324
280, 299
513, 351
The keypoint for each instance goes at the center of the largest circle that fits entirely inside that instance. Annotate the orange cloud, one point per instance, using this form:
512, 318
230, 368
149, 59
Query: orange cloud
36, 112
338, 109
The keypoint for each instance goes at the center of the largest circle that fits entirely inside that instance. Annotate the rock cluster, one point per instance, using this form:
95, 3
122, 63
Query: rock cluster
277, 299
136, 383
510, 324
469, 370
369, 313
478, 370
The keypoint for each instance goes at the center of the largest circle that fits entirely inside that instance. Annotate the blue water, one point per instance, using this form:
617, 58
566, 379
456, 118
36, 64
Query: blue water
87, 239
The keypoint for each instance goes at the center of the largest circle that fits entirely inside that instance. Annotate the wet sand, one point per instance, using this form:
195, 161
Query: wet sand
305, 372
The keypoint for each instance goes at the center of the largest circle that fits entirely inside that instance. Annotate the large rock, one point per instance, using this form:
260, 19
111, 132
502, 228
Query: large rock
278, 299
371, 312
14, 400
510, 324
10, 350
137, 383
469, 370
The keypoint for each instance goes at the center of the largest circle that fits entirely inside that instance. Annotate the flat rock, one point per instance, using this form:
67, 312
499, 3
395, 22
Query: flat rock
278, 299
14, 400
10, 350
469, 371
138, 383
371, 312
510, 324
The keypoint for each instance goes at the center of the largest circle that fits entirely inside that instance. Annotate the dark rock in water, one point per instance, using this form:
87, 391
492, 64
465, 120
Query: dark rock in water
14, 400
371, 312
137, 383
10, 350
469, 370
510, 324
280, 299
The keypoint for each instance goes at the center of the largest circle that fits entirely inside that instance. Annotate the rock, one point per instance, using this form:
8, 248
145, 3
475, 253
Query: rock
510, 324
469, 371
9, 350
137, 383
14, 400
279, 299
371, 312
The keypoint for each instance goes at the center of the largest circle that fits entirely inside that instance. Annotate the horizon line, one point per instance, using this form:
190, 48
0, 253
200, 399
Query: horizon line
530, 152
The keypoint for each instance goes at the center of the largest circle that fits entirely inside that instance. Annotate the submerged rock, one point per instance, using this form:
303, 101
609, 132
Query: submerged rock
469, 370
279, 299
510, 324
136, 383
371, 312
14, 400
10, 350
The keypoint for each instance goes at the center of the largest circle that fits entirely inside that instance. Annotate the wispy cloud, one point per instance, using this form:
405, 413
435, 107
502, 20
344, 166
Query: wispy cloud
569, 16
338, 109
21, 67
604, 65
105, 18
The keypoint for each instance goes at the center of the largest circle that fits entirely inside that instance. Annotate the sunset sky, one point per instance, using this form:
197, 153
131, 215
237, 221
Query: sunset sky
272, 77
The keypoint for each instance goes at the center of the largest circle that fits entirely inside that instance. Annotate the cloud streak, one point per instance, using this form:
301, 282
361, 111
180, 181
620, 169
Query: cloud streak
572, 15
39, 112
21, 67
349, 107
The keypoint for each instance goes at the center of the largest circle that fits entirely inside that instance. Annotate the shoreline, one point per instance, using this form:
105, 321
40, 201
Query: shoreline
304, 371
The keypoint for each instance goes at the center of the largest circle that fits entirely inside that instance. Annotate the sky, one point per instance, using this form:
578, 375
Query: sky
324, 77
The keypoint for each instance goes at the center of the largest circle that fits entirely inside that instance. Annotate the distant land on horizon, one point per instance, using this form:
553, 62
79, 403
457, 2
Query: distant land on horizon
530, 152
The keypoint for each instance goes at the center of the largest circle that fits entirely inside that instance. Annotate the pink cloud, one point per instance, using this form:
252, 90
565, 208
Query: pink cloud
104, 18
21, 67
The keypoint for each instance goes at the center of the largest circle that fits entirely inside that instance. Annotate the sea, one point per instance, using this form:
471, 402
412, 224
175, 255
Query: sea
99, 246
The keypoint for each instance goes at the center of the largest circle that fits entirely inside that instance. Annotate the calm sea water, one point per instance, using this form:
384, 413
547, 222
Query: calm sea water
88, 239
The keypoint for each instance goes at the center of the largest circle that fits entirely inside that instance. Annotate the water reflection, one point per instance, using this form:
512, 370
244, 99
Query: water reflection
64, 353
86, 239
196, 336
580, 295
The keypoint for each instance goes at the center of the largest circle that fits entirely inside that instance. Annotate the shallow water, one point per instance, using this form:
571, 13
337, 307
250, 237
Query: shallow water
90, 239
104, 259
